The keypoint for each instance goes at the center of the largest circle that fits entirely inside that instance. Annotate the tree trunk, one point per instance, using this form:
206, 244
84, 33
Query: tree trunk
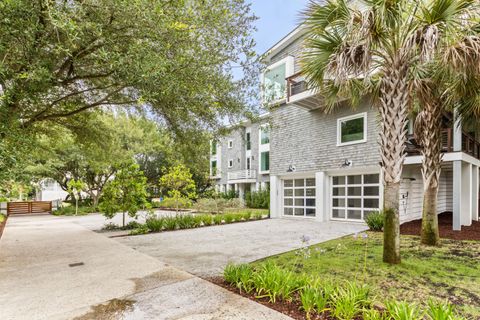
428, 130
394, 98
123, 219
430, 235
76, 206
391, 228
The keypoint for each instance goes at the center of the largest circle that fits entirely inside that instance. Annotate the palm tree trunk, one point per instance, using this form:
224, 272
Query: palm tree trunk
430, 235
394, 98
429, 131
391, 228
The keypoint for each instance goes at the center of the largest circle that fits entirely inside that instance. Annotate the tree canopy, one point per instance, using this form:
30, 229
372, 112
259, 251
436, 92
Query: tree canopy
172, 60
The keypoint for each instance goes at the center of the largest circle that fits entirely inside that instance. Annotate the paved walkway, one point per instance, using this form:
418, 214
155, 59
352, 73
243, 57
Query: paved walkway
206, 251
55, 268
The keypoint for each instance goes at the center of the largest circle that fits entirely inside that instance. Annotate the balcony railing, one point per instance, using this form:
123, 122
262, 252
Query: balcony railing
242, 175
469, 144
296, 84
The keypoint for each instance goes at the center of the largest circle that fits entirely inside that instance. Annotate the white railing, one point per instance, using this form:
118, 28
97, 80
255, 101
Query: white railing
242, 174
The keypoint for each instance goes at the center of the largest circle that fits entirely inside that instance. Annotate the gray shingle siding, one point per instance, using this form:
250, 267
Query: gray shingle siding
294, 49
308, 140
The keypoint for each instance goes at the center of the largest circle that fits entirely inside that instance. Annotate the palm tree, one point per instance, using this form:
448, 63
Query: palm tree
453, 56
375, 48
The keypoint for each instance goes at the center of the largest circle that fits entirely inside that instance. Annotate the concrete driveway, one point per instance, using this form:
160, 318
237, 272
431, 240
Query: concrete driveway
55, 268
206, 251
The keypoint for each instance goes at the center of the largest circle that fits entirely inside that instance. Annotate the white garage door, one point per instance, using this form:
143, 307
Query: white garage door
355, 196
299, 197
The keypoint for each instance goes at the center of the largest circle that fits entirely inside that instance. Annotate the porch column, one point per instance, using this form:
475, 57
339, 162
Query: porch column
466, 213
321, 202
457, 192
241, 190
475, 193
457, 133
275, 198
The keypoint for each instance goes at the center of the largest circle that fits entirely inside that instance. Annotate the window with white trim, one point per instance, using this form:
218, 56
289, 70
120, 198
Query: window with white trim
355, 196
265, 161
230, 144
299, 197
213, 168
230, 163
352, 129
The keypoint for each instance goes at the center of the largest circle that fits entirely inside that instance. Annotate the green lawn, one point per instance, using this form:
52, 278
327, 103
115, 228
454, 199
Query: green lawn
450, 272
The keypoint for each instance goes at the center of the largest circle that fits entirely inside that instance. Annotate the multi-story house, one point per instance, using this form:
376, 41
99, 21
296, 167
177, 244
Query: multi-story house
240, 160
325, 166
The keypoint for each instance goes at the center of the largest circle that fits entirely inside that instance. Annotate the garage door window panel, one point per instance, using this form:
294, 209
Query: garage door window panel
299, 197
355, 196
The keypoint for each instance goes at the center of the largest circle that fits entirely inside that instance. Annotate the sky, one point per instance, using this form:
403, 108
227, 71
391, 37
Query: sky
276, 19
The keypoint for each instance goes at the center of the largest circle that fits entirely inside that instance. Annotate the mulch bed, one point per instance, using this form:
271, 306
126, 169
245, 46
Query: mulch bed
445, 228
291, 309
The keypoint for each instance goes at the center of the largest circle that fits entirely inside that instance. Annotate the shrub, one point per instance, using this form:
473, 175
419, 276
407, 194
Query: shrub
142, 229
132, 225
185, 221
218, 219
258, 199
155, 224
183, 203
234, 203
70, 211
349, 300
441, 311
307, 298
375, 220
240, 276
2, 217
273, 282
258, 215
247, 215
171, 223
229, 217
403, 311
210, 205
110, 226
207, 219
197, 221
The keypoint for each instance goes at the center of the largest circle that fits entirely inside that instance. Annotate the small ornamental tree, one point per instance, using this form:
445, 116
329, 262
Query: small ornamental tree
75, 188
126, 193
179, 184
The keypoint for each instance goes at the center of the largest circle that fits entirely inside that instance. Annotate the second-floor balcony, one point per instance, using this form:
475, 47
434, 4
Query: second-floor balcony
300, 94
242, 175
470, 145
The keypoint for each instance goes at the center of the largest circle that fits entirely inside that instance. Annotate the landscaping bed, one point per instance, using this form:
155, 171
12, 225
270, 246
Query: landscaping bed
445, 228
448, 274
188, 221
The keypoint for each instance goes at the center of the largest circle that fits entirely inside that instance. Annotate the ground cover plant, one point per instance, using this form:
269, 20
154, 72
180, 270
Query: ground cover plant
449, 273
70, 211
325, 299
188, 221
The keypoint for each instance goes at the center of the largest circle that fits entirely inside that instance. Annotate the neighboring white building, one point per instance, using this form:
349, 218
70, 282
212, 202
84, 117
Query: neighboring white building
240, 160
50, 190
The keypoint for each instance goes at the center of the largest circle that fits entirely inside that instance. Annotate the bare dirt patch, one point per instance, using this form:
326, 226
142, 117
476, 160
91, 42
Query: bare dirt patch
445, 227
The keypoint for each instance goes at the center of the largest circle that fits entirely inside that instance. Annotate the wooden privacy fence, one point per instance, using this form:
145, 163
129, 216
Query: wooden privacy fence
26, 207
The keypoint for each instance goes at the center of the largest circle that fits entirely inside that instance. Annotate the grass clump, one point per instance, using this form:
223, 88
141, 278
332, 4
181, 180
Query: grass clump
375, 220
415, 280
319, 298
